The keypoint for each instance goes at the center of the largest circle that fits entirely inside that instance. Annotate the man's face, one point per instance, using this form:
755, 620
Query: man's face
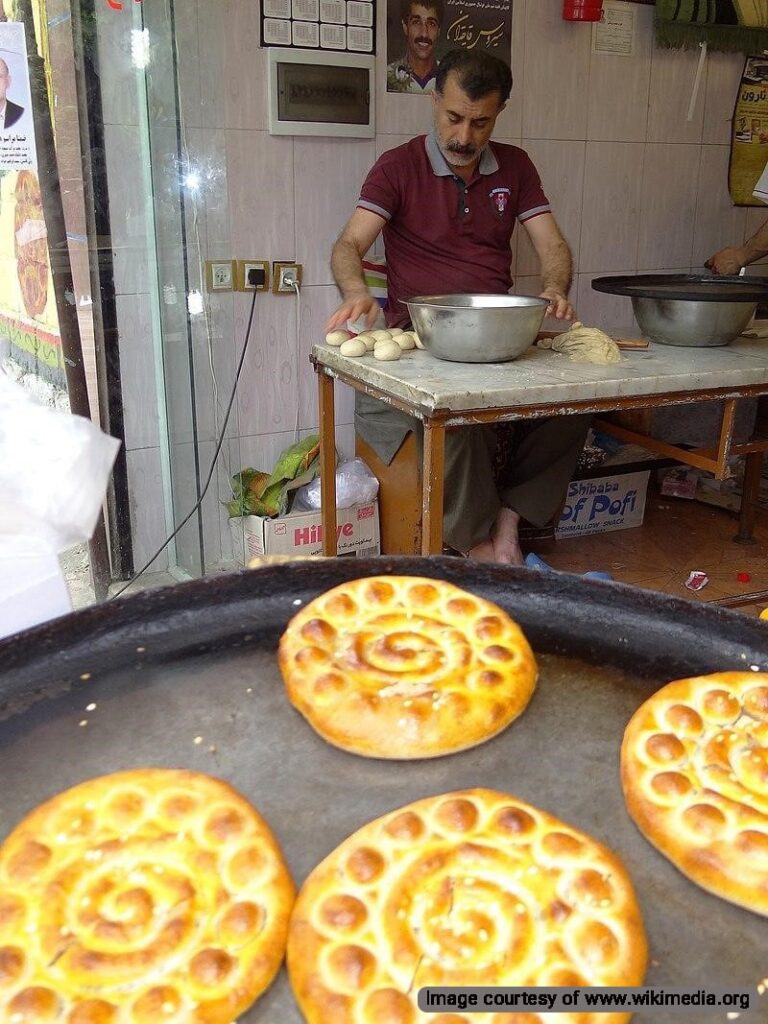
463, 126
5, 81
421, 31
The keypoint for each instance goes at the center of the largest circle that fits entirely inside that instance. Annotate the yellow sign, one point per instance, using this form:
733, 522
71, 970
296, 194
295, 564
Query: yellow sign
749, 142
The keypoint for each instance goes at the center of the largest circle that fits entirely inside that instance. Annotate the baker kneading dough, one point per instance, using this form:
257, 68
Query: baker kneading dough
584, 345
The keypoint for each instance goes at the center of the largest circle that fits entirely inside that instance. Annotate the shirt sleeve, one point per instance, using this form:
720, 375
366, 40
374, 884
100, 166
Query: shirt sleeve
380, 193
532, 200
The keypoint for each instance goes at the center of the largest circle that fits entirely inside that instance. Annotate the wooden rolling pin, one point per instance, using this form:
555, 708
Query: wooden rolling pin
621, 342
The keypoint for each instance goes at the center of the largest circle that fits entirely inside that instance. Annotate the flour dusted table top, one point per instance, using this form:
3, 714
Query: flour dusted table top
544, 383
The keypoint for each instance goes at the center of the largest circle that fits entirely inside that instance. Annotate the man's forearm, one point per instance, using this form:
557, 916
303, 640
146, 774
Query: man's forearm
557, 268
347, 269
757, 246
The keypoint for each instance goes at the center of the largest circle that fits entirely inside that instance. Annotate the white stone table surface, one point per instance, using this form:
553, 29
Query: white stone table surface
542, 377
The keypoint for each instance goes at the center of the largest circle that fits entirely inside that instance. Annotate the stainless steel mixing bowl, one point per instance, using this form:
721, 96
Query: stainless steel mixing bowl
700, 311
477, 328
688, 322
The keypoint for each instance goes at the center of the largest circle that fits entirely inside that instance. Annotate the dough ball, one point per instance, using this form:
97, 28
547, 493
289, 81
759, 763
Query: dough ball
387, 350
337, 338
367, 339
405, 341
417, 340
381, 335
396, 331
353, 347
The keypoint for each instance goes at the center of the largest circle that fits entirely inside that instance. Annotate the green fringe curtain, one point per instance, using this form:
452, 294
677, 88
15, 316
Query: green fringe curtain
734, 25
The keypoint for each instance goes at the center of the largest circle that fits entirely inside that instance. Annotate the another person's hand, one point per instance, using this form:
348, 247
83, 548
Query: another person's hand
727, 261
353, 309
559, 306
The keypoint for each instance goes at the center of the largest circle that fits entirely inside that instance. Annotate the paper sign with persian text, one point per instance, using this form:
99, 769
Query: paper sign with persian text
749, 137
17, 130
420, 32
615, 32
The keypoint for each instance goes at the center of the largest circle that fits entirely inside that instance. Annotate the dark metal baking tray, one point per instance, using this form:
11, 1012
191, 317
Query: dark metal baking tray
198, 660
695, 287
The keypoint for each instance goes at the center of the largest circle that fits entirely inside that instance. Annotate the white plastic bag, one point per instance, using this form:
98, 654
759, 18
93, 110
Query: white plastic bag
54, 469
355, 485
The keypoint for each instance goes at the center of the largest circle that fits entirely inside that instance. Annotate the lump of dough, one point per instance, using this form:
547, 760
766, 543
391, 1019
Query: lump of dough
584, 345
381, 335
405, 340
367, 339
387, 350
396, 331
417, 340
353, 347
337, 338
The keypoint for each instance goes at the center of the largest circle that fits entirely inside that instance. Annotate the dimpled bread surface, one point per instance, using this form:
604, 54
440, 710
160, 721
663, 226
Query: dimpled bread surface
471, 888
694, 768
405, 667
144, 896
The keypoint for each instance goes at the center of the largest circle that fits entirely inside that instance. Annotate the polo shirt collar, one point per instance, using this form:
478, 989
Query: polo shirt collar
488, 162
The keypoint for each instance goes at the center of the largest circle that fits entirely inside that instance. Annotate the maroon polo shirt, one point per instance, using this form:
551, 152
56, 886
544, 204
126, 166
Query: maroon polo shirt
442, 235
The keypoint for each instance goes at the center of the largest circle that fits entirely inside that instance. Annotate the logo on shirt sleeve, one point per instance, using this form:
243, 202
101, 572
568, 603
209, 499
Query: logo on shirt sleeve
500, 199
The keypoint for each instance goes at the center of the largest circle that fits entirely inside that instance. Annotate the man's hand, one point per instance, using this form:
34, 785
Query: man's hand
559, 306
727, 261
352, 309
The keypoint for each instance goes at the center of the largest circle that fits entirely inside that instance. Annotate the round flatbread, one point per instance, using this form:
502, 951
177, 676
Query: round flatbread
694, 767
405, 667
471, 888
144, 896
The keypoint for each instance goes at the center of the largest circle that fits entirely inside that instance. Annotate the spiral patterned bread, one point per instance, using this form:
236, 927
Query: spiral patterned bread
694, 767
405, 667
471, 888
144, 896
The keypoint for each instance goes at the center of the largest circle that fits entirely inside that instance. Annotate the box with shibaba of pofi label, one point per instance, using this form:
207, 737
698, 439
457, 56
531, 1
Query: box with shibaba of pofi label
606, 503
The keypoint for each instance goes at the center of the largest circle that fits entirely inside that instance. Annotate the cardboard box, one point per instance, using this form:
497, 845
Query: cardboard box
606, 503
301, 533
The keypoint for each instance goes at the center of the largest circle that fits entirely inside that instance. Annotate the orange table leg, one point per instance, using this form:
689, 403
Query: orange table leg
327, 461
432, 488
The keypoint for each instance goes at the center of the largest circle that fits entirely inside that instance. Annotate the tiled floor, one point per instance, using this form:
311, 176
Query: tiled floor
677, 536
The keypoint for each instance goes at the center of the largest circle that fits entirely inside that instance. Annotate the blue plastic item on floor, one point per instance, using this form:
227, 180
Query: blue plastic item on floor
534, 562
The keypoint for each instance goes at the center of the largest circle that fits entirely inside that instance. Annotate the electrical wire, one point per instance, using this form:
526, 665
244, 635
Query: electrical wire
219, 443
298, 360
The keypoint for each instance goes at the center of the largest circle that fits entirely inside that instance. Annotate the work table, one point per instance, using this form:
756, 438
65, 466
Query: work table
545, 383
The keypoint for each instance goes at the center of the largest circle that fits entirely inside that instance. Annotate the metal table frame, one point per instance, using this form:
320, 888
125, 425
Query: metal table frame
436, 421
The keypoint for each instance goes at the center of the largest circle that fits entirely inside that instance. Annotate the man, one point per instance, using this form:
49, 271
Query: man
415, 71
10, 112
447, 205
731, 259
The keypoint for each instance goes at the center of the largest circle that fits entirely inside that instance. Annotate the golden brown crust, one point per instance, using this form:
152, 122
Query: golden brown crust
405, 667
694, 768
472, 888
141, 896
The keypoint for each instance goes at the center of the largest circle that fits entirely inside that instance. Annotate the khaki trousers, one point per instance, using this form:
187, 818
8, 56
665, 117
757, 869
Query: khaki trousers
545, 453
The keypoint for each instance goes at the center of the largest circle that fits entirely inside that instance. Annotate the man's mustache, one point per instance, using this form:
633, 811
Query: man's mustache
423, 39
454, 147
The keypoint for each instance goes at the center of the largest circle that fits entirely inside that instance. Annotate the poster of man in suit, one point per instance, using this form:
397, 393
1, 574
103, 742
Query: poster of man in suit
17, 135
420, 31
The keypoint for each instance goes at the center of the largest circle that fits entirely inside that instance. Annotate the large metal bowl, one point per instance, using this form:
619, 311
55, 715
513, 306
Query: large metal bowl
692, 310
477, 328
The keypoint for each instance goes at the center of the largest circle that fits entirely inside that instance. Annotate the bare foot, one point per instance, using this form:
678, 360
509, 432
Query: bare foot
483, 552
506, 544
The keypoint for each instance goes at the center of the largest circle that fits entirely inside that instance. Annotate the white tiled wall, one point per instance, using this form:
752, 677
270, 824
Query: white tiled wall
635, 184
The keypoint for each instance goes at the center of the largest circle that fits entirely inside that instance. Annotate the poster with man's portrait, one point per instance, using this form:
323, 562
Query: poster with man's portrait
17, 131
419, 32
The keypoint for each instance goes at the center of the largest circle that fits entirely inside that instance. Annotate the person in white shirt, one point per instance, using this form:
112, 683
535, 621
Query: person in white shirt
10, 112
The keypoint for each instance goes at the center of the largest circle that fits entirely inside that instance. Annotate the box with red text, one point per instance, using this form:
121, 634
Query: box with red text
301, 533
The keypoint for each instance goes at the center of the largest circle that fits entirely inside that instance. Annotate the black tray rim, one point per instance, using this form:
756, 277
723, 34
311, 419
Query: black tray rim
755, 288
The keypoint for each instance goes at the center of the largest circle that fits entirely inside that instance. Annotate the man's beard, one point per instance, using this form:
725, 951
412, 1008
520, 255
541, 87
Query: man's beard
460, 156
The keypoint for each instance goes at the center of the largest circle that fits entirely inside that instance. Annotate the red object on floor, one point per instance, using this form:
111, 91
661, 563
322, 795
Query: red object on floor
743, 577
582, 10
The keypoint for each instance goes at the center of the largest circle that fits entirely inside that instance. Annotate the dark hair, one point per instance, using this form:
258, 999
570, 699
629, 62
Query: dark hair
430, 5
478, 73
